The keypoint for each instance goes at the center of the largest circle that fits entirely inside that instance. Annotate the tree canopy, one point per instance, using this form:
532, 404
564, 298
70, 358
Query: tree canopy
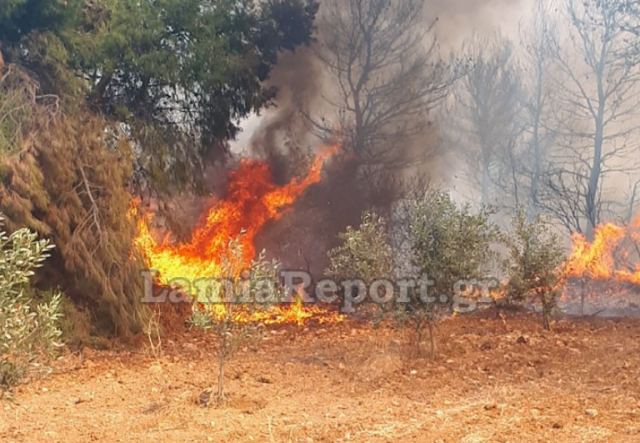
18, 18
179, 73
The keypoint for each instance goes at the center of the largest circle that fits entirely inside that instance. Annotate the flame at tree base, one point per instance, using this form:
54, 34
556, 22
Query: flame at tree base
252, 200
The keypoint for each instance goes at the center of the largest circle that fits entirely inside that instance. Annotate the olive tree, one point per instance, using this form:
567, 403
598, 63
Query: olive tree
223, 306
365, 253
30, 328
451, 244
534, 268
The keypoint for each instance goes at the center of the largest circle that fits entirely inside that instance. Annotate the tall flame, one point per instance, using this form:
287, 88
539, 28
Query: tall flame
252, 200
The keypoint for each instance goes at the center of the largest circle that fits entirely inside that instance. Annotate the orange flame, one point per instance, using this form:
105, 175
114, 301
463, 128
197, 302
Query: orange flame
612, 255
252, 200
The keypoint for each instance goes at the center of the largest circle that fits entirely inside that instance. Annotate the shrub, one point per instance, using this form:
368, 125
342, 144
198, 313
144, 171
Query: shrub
29, 328
450, 243
365, 252
534, 267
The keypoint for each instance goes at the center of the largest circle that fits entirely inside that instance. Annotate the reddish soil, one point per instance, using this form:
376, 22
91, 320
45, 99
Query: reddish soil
492, 381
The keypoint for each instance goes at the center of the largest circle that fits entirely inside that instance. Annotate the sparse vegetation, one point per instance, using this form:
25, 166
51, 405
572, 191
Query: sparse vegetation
216, 308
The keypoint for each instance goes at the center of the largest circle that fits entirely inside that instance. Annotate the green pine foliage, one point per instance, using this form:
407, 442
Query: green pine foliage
19, 18
179, 73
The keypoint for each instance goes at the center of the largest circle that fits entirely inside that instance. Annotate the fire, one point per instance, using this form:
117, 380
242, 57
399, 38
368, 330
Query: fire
612, 255
252, 200
296, 314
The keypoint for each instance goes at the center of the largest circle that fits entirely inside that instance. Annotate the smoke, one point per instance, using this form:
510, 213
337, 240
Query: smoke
284, 134
460, 19
303, 84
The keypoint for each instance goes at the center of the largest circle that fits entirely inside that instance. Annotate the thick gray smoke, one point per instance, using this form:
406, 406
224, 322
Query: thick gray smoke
283, 134
302, 81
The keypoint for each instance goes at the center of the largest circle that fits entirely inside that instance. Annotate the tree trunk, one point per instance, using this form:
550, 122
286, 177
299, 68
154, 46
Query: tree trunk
594, 183
537, 153
547, 306
222, 353
546, 324
598, 141
432, 339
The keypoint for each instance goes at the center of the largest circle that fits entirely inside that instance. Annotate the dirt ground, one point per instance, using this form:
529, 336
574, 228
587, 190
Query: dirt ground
492, 381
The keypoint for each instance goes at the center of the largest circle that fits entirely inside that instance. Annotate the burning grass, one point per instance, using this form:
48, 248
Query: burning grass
603, 275
614, 254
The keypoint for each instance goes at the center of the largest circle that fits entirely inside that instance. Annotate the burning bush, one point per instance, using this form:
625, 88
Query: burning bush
534, 268
603, 273
29, 328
